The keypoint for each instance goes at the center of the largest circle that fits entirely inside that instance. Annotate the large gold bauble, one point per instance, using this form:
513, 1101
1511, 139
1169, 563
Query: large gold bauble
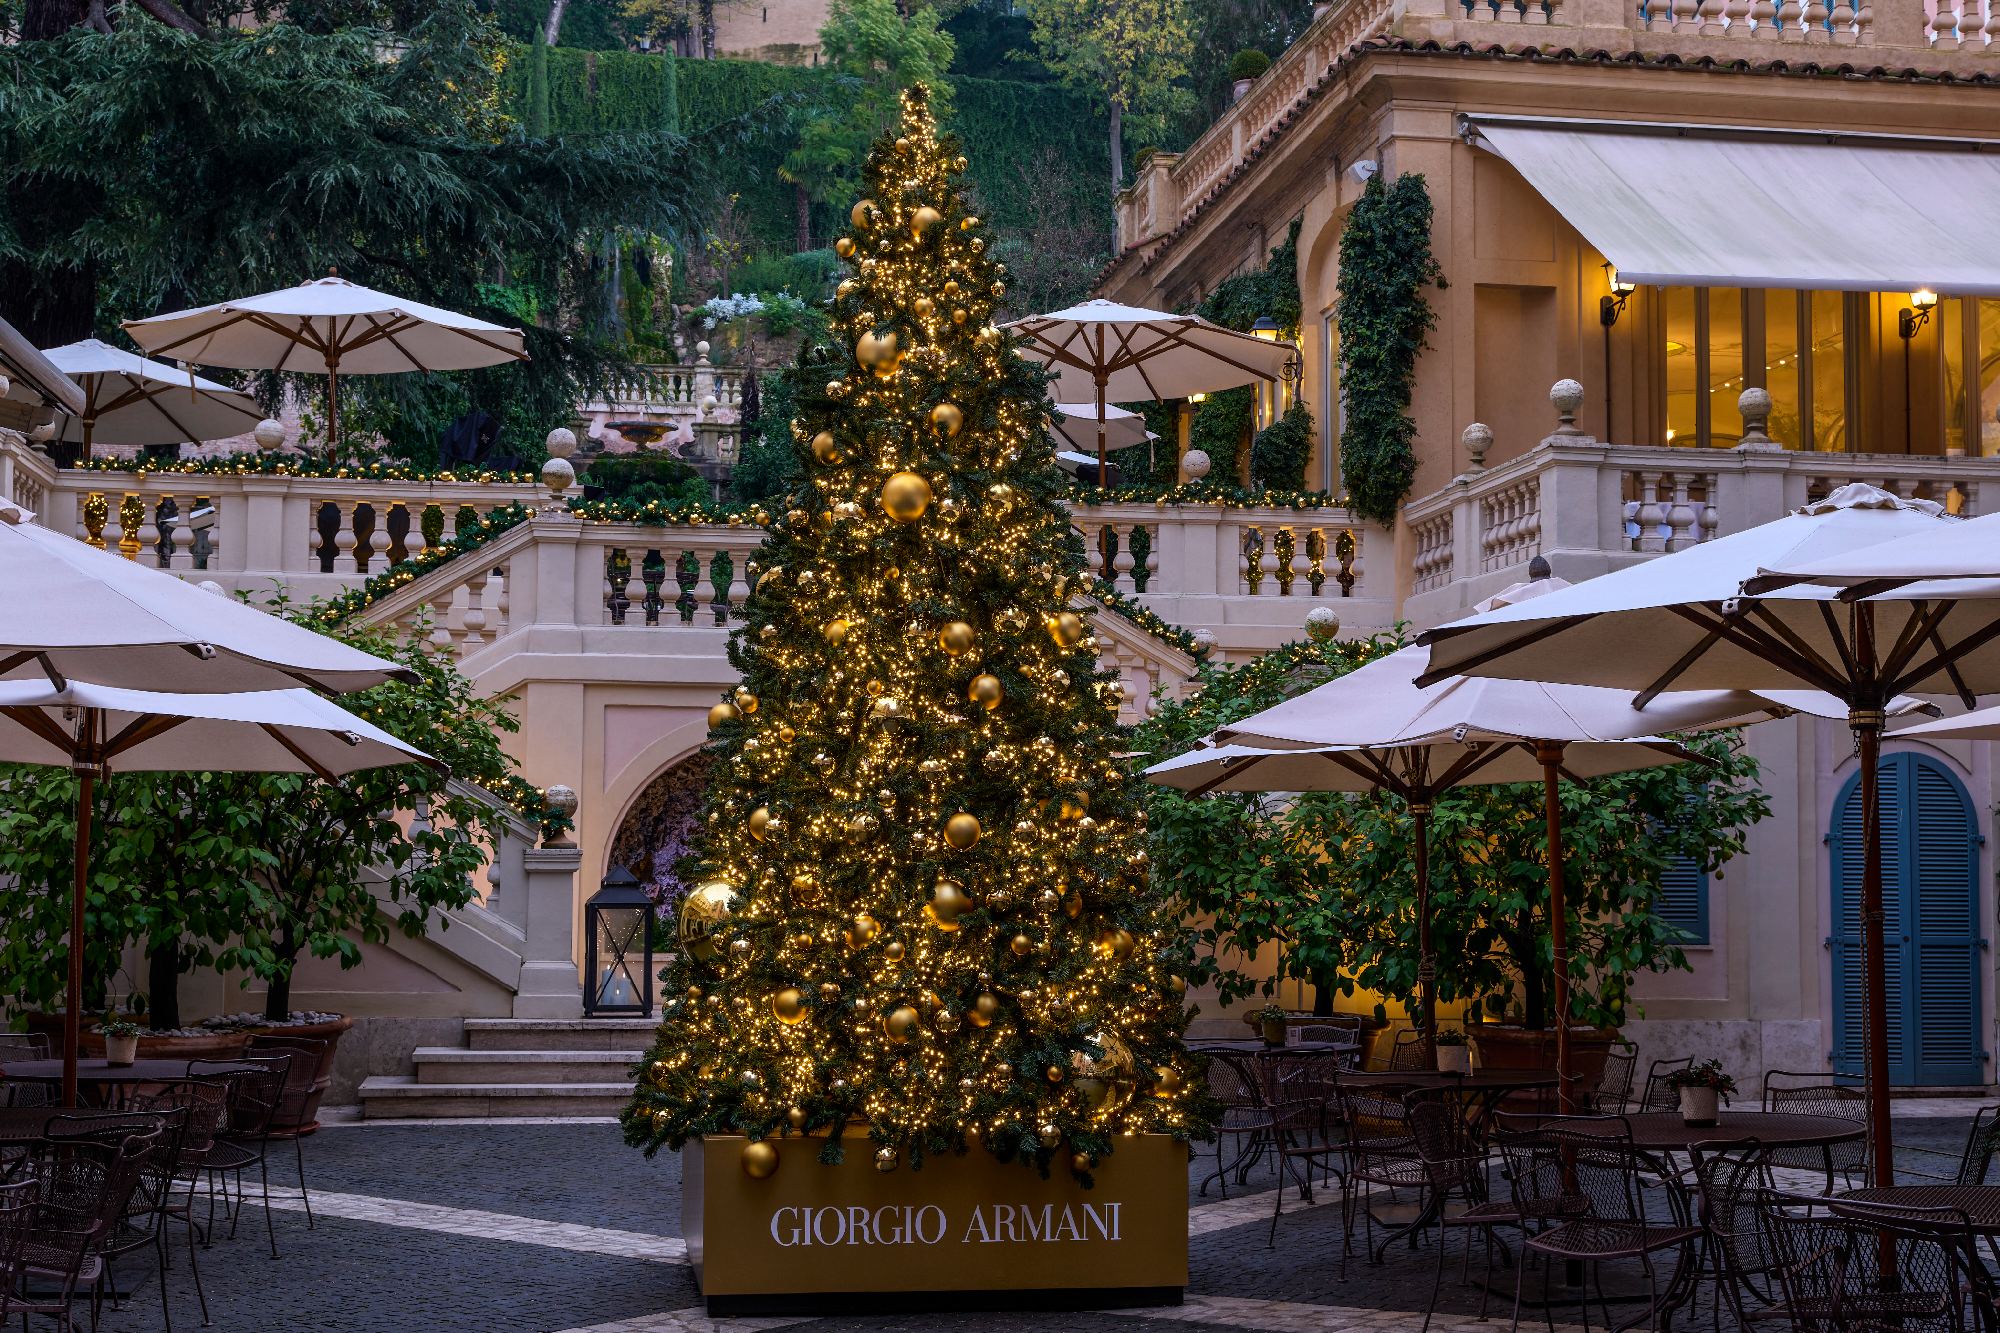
875, 350
844, 247
1116, 943
923, 307
956, 638
886, 709
708, 906
862, 213
905, 497
924, 219
961, 831
760, 1160
1022, 946
845, 289
1066, 628
796, 1118
836, 631
789, 1005
1003, 1071
902, 1023
985, 1008
893, 951
967, 223
947, 417
746, 701
1166, 1081
721, 713
861, 931
1081, 1163
1074, 805
948, 902
760, 822
987, 337
985, 691
825, 448
1112, 1072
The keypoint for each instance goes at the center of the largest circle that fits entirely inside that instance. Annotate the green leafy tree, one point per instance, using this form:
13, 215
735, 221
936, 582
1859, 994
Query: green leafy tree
923, 906
883, 51
1328, 878
1132, 51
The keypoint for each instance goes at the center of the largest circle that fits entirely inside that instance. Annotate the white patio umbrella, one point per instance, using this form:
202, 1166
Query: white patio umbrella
1076, 426
1682, 620
91, 729
131, 400
328, 324
1105, 351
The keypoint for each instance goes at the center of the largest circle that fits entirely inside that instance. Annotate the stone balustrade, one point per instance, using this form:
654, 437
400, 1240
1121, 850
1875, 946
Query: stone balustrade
1589, 506
1955, 35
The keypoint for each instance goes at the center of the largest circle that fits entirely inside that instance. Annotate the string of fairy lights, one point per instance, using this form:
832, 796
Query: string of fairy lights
924, 915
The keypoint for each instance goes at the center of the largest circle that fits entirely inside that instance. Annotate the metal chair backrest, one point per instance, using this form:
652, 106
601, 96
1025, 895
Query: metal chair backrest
1982, 1144
256, 1088
17, 1219
1729, 1178
1659, 1095
18, 1046
300, 1078
1444, 1140
1817, 1094
1903, 1268
1614, 1085
1408, 1052
1233, 1080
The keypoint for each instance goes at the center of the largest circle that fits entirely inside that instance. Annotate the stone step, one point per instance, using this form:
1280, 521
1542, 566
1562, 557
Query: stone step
455, 1064
559, 1034
394, 1097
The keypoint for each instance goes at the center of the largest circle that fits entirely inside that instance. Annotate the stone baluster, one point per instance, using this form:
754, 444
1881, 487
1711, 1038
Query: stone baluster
1710, 16
1989, 32
1786, 22
1681, 517
1710, 519
1121, 563
148, 552
1841, 16
180, 535
472, 620
633, 594
1153, 560
414, 543
500, 599
739, 578
1944, 26
704, 581
112, 534
1686, 15
1813, 21
343, 539
1763, 20
614, 589
1650, 517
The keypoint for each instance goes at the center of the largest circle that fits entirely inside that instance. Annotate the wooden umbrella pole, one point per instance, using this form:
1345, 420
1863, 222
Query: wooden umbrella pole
1420, 817
333, 407
1867, 727
86, 768
1103, 473
1550, 753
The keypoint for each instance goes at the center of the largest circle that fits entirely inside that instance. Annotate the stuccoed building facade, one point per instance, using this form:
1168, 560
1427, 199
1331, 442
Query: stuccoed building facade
1669, 204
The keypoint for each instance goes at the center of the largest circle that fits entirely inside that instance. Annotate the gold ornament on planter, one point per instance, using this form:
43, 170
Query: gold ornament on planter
861, 931
796, 1118
826, 448
924, 219
987, 337
746, 701
1081, 1163
760, 822
985, 691
885, 1159
948, 902
760, 1160
707, 907
1066, 628
721, 713
1108, 1079
902, 1024
948, 418
961, 831
905, 497
789, 1005
956, 638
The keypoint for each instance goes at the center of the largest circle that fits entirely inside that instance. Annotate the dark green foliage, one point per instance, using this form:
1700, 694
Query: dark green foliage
646, 475
1271, 292
1281, 450
604, 92
809, 275
771, 464
994, 43
1221, 429
1248, 64
536, 121
593, 25
1385, 320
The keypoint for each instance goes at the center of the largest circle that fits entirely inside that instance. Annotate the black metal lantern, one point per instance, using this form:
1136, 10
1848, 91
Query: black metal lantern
618, 955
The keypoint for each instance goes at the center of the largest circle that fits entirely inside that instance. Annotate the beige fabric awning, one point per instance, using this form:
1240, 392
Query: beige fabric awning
1725, 206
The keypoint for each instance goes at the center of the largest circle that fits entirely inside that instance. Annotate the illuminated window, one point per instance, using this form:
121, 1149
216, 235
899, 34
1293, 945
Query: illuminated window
1826, 370
1679, 349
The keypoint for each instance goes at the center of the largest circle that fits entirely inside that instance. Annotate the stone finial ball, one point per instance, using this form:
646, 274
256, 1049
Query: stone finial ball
701, 348
560, 800
1567, 395
1204, 639
1196, 464
1322, 624
1477, 439
6, 386
561, 442
1754, 403
43, 433
558, 475
269, 433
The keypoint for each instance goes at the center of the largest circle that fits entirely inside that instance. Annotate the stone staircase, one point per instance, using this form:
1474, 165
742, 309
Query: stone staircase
517, 1067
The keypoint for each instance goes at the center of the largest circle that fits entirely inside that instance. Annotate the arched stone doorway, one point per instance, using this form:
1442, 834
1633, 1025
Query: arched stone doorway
660, 824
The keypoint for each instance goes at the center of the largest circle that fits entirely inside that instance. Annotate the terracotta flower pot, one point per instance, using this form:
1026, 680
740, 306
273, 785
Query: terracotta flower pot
306, 1119
1699, 1106
1505, 1046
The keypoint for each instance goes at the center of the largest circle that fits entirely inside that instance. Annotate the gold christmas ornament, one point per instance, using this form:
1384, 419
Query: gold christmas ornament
948, 902
961, 831
1081, 1163
886, 709
875, 349
760, 822
836, 631
923, 307
760, 1160
987, 337
789, 1005
985, 691
924, 219
893, 951
824, 762
958, 315
746, 701
902, 1024
707, 907
1177, 984
874, 688
1116, 943
1021, 945
844, 290
1066, 628
721, 713
1107, 1079
1003, 1071
956, 638
968, 223
739, 947
1053, 1073
861, 931
885, 1159
846, 511
985, 1008
1050, 1133
796, 1118
826, 449
948, 418
945, 1021
862, 213
905, 497
1166, 1081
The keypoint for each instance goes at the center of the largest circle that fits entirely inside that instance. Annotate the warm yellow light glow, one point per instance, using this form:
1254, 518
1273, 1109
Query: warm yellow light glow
1923, 298
1620, 287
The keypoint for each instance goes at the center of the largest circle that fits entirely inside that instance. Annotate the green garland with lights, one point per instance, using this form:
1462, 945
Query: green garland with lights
1163, 630
656, 514
265, 463
1205, 493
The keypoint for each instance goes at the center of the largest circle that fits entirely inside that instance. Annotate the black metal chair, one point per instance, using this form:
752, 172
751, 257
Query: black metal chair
24, 1046
1455, 1164
1819, 1094
256, 1089
1246, 1119
1848, 1267
293, 1119
1408, 1052
85, 1181
1659, 1095
17, 1219
1381, 1153
1982, 1144
1614, 1085
1731, 1179
202, 1108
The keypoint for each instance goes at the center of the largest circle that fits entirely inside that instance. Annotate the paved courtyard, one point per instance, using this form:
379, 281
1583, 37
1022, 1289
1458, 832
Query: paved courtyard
557, 1226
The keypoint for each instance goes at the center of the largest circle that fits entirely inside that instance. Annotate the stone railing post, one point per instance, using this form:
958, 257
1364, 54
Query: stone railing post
550, 985
1581, 509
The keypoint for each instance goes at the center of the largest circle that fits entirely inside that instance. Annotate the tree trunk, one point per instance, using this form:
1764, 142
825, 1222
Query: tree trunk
553, 28
278, 994
705, 15
163, 985
1534, 981
802, 217
1322, 995
42, 20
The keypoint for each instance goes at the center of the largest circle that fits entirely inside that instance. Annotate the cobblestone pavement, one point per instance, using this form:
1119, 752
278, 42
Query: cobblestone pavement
559, 1228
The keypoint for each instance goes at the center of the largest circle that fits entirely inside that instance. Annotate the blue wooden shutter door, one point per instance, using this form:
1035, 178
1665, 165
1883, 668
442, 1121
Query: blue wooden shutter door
1683, 898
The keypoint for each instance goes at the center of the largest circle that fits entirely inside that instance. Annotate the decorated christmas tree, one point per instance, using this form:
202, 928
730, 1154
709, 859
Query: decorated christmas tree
922, 910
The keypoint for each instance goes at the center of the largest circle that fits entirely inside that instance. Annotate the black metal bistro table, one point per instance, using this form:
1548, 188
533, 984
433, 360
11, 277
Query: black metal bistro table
1665, 1131
1272, 1066
101, 1080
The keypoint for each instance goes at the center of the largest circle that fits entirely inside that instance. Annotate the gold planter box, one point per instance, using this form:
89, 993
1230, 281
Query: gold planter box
967, 1232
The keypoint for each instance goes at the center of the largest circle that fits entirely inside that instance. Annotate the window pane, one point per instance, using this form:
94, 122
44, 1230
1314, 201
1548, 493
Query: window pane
1989, 377
1677, 318
1725, 366
1781, 367
1951, 343
1829, 371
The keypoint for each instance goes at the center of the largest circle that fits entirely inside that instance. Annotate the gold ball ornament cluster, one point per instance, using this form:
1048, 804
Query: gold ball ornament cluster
948, 417
706, 907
